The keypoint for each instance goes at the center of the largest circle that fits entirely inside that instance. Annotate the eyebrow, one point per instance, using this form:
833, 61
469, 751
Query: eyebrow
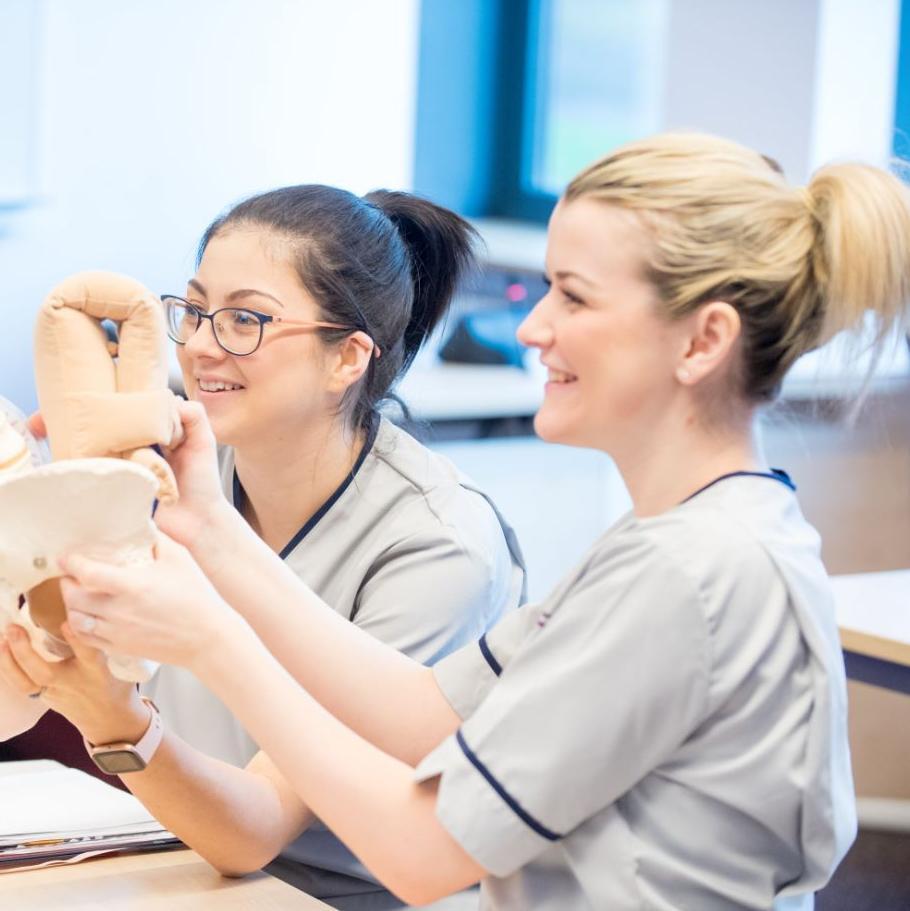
239, 294
564, 273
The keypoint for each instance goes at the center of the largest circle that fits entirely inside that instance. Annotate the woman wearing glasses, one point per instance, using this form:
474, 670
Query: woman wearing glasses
307, 305
667, 729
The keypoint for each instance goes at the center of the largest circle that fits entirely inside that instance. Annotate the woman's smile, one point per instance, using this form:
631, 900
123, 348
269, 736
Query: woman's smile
559, 378
217, 386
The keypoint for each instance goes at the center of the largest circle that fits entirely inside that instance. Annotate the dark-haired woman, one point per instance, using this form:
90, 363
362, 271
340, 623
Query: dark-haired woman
308, 303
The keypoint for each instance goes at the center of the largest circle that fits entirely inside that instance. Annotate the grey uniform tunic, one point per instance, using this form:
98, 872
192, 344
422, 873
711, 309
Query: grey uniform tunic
409, 550
668, 730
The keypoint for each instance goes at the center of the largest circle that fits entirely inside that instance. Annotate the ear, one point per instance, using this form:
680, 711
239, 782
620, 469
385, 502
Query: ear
351, 360
714, 330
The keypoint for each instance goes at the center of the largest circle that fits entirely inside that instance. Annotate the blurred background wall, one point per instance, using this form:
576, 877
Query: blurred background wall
139, 122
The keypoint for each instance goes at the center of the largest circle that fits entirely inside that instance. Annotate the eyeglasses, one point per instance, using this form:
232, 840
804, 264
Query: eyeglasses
236, 329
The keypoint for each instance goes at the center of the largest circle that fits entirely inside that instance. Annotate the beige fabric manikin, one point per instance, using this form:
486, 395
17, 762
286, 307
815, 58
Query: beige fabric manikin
105, 405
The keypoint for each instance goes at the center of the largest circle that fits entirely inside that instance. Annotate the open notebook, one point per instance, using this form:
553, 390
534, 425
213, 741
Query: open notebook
50, 814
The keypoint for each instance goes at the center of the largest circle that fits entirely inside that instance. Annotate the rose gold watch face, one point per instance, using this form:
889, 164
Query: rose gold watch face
116, 762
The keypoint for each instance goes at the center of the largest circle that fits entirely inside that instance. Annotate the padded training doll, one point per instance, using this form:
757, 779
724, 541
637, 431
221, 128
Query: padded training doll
104, 406
93, 405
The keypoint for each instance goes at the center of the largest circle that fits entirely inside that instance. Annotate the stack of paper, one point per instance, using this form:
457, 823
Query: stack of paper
57, 813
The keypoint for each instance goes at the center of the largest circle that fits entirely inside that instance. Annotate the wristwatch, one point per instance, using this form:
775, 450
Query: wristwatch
121, 758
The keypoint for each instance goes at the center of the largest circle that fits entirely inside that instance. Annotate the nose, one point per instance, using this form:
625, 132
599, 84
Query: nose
202, 342
536, 330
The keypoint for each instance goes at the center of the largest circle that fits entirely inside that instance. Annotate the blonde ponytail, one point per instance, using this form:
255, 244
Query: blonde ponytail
799, 264
862, 257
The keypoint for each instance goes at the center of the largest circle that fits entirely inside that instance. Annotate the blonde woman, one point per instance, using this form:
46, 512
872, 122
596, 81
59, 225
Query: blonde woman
667, 729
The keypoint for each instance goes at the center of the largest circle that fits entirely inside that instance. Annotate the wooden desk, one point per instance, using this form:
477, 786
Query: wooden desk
176, 880
873, 613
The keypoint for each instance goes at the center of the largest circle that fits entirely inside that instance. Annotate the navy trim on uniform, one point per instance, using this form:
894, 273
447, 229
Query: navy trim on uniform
489, 657
775, 474
510, 801
311, 523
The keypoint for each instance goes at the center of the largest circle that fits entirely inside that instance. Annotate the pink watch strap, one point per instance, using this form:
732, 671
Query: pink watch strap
147, 744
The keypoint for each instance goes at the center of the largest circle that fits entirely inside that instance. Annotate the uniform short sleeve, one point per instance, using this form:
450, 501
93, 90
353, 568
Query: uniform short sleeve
468, 675
609, 680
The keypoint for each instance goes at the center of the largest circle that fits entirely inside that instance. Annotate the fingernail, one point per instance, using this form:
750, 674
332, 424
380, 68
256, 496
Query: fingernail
85, 622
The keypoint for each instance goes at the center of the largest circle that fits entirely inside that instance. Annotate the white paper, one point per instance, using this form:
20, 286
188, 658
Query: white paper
67, 802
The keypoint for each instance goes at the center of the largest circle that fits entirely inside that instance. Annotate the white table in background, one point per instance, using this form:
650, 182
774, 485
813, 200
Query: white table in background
873, 614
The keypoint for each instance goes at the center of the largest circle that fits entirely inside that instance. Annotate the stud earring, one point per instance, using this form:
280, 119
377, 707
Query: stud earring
683, 374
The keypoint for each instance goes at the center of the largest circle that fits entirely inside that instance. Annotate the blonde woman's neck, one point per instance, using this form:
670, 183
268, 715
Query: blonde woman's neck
677, 460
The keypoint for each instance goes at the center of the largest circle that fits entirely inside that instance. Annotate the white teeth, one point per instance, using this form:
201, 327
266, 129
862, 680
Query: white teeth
557, 376
217, 386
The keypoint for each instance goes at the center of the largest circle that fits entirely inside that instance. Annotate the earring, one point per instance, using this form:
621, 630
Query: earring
683, 374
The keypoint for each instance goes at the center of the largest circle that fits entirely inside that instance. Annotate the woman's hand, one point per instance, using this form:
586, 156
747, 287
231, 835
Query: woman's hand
165, 610
36, 426
202, 505
81, 688
19, 711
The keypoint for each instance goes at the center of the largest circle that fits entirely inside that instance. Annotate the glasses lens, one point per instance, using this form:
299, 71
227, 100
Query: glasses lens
182, 319
238, 331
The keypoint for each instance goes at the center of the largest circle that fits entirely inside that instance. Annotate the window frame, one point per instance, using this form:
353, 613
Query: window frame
477, 82
477, 99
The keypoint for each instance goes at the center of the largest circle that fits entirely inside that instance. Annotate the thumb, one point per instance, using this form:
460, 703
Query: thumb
177, 431
166, 548
36, 425
196, 429
85, 654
